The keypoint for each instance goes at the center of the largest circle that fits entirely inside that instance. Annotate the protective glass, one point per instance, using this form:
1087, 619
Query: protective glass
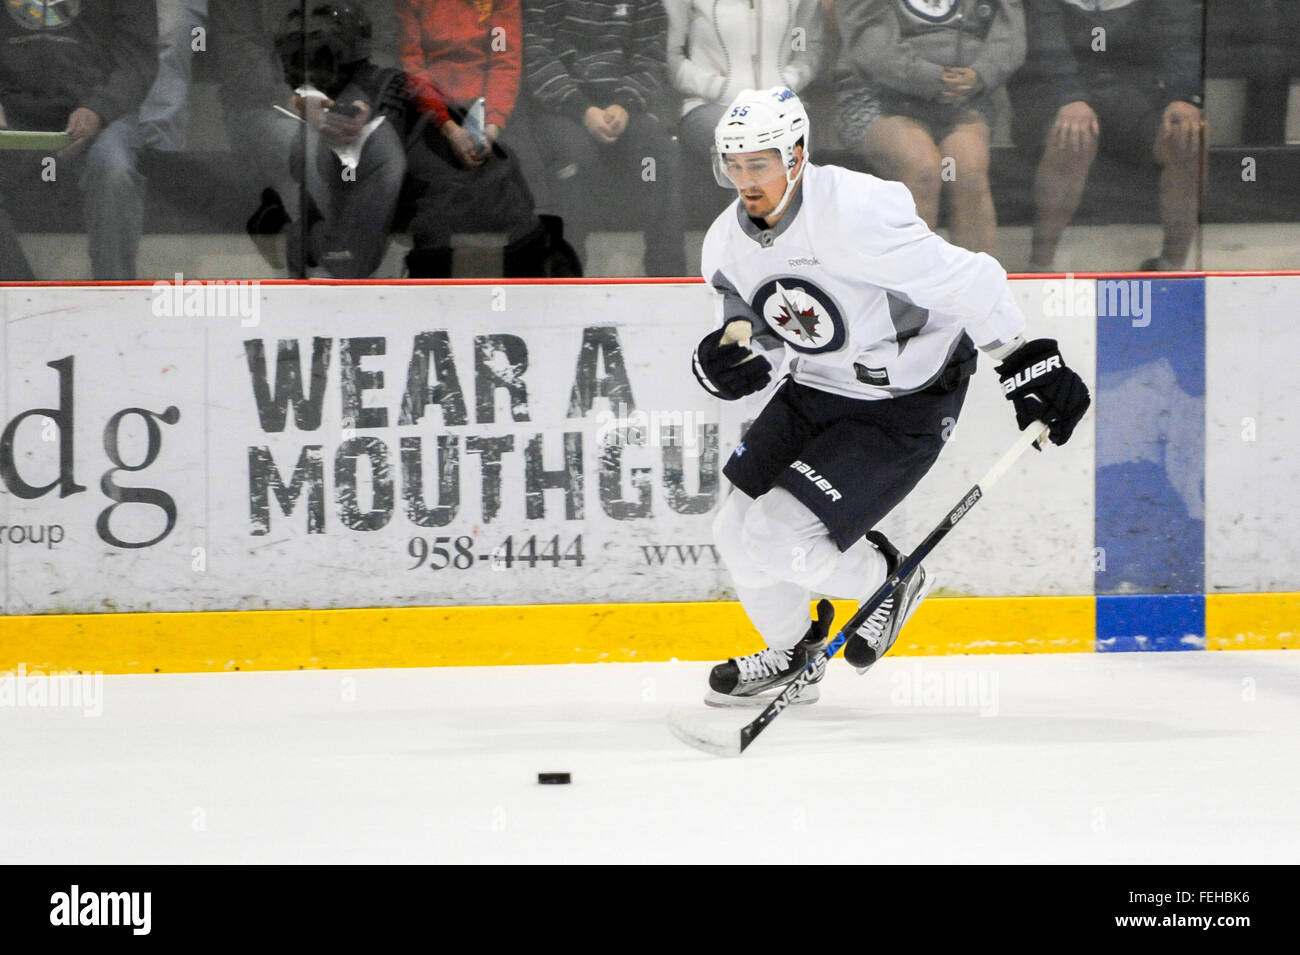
747, 170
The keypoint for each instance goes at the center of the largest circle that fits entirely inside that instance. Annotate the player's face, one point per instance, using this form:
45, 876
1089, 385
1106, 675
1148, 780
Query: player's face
760, 179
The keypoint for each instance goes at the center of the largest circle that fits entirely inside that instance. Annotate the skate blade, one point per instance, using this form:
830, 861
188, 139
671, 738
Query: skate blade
810, 694
926, 587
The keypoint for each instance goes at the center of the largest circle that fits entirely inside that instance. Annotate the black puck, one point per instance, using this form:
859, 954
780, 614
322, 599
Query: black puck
553, 779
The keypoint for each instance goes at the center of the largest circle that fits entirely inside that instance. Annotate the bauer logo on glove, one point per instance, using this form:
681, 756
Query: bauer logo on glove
1041, 387
1022, 378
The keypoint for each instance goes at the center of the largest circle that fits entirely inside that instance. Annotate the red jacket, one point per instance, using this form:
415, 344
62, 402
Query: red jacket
464, 49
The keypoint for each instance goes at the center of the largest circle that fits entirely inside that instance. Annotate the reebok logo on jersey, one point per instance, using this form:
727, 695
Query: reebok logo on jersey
1036, 370
803, 262
821, 483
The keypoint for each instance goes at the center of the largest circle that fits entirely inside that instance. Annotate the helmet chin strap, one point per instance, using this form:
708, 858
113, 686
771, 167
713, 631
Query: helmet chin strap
789, 191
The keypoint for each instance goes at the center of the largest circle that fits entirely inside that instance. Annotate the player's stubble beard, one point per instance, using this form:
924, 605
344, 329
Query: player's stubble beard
770, 198
760, 207
765, 205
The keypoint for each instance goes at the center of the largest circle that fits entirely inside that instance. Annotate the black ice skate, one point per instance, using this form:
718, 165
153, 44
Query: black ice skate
879, 631
754, 680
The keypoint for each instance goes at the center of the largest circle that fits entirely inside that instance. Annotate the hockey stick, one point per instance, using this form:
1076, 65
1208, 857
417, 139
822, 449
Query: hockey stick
729, 742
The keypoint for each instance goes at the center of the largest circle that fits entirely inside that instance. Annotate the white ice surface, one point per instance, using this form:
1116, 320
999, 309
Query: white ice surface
1163, 757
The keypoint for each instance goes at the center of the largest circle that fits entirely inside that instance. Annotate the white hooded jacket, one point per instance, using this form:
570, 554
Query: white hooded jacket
716, 48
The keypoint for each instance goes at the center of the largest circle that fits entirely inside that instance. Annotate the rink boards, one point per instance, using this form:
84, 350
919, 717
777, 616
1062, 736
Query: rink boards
277, 476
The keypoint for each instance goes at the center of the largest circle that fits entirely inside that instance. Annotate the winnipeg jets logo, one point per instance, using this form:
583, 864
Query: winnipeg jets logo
935, 11
804, 320
801, 313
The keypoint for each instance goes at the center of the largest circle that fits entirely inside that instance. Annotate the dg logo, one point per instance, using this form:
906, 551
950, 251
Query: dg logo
801, 313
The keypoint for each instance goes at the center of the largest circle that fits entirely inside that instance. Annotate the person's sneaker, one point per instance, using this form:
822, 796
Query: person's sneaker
878, 632
562, 259
264, 228
756, 679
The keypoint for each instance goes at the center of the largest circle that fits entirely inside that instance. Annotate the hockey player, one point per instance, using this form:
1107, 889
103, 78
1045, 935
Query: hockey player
880, 320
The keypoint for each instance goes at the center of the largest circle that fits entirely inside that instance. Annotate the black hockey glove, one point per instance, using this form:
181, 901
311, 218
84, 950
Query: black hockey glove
723, 371
1037, 381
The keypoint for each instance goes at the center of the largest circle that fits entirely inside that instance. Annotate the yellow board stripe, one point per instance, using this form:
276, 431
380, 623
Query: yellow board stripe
486, 636
1252, 621
946, 625
564, 633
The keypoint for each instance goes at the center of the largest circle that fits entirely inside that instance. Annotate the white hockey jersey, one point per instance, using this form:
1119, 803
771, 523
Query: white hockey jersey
863, 298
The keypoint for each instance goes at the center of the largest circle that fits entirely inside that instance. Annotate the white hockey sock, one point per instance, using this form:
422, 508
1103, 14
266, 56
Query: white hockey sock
857, 573
779, 612
777, 608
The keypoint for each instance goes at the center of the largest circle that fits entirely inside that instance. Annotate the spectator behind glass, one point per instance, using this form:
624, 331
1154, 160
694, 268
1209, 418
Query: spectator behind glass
595, 72
252, 85
83, 68
348, 205
1126, 78
159, 125
716, 48
914, 91
455, 52
1257, 41
163, 114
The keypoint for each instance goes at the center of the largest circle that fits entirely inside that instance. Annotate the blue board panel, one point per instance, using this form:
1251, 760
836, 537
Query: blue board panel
1150, 395
1149, 622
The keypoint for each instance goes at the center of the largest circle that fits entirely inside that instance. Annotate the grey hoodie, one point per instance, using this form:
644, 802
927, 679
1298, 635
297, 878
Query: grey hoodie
54, 58
906, 44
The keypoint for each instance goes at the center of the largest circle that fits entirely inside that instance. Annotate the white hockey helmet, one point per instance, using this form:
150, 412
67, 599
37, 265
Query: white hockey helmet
758, 120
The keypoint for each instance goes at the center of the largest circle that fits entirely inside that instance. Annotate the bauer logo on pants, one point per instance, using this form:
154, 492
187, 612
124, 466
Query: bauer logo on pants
803, 315
817, 479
